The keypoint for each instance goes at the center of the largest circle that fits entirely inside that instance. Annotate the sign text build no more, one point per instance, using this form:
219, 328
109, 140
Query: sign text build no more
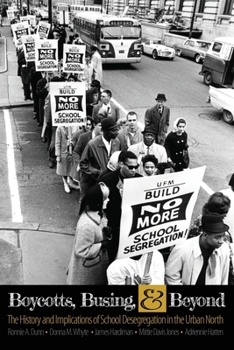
159, 213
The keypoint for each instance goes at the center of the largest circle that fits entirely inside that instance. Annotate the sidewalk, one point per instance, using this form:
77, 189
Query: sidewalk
25, 248
11, 92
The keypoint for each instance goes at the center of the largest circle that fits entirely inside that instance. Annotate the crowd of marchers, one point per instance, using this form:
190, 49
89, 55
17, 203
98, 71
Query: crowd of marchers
98, 157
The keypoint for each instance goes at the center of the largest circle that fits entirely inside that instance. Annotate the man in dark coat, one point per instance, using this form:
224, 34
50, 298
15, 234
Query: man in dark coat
25, 68
159, 117
114, 180
34, 78
57, 36
97, 152
93, 96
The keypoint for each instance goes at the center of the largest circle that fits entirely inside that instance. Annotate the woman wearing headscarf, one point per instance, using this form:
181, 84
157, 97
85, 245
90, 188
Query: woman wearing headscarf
89, 258
176, 145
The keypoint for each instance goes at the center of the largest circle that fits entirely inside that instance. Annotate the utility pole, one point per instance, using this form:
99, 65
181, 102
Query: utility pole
192, 20
50, 11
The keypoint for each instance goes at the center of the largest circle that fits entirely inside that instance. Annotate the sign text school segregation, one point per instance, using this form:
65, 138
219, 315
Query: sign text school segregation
46, 55
19, 29
73, 58
157, 211
29, 47
68, 103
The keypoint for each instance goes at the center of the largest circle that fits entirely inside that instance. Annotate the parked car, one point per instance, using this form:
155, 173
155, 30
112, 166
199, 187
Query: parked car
156, 48
193, 48
222, 99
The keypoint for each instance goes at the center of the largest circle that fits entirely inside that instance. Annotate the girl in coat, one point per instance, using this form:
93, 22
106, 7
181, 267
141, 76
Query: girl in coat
176, 145
89, 258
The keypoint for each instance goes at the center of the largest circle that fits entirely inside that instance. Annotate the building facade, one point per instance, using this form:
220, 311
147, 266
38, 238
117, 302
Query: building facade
214, 17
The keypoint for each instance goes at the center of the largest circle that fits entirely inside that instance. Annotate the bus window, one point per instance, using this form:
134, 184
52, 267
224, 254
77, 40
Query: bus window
111, 32
120, 32
131, 32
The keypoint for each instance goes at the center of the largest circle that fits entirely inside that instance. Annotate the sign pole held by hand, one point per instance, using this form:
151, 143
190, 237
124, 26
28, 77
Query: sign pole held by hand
148, 263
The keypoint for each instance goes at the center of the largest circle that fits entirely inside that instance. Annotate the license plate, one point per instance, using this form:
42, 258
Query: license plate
121, 51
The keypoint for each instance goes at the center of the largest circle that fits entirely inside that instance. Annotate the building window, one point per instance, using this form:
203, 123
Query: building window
181, 5
228, 7
201, 6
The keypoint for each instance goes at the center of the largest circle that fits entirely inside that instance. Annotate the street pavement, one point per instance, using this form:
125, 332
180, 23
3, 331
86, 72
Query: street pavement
30, 253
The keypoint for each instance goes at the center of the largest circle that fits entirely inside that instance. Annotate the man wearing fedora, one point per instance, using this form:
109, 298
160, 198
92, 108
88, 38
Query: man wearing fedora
148, 146
201, 260
97, 152
159, 116
93, 96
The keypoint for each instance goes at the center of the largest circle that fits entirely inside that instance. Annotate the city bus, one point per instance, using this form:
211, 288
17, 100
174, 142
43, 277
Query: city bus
78, 8
61, 13
117, 38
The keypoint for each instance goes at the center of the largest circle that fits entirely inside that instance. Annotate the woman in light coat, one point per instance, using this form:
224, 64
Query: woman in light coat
64, 145
89, 258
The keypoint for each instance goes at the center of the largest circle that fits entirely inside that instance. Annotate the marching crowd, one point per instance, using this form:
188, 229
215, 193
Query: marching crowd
98, 157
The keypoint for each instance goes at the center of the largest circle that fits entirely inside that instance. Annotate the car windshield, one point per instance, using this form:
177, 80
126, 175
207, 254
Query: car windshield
157, 42
120, 32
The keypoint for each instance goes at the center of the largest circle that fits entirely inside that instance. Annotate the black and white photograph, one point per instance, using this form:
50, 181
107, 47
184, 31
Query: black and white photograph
117, 169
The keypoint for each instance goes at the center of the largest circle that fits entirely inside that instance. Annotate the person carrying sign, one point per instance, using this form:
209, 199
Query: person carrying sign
201, 260
64, 145
97, 152
127, 169
97, 61
132, 270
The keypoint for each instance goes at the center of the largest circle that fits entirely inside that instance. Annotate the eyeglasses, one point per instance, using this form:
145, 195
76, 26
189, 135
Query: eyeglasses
131, 167
88, 124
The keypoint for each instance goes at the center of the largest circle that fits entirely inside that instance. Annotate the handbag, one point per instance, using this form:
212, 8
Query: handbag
92, 262
186, 158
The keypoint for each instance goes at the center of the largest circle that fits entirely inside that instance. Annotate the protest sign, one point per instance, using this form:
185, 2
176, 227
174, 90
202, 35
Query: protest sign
73, 58
157, 210
10, 14
68, 103
32, 20
19, 29
43, 29
24, 19
28, 42
46, 55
